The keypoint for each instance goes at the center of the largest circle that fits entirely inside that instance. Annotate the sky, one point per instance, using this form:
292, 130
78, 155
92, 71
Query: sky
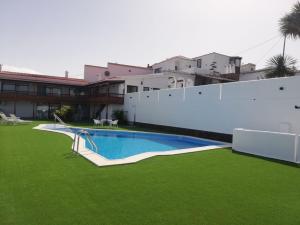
49, 37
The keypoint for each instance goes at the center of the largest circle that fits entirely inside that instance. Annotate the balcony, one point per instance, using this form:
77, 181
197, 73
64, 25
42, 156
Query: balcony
105, 98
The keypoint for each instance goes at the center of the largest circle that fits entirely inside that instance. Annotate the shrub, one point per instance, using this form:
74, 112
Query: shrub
119, 115
66, 113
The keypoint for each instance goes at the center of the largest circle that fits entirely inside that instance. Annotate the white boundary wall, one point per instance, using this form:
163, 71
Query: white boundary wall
257, 105
274, 145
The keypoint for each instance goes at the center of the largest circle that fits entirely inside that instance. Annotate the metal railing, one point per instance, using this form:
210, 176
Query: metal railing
50, 94
89, 138
56, 118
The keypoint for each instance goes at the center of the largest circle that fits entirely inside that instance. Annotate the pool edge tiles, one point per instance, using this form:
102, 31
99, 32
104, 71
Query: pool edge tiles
99, 160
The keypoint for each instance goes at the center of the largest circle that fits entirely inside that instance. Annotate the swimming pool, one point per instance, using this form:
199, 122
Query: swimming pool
132, 146
119, 145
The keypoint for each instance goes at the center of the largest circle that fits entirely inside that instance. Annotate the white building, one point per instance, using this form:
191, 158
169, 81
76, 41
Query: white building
249, 72
158, 81
176, 63
212, 63
249, 67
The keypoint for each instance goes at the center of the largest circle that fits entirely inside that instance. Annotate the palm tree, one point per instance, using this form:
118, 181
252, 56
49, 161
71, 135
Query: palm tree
281, 66
290, 24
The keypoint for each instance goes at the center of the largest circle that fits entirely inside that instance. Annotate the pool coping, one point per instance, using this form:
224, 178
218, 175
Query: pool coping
99, 160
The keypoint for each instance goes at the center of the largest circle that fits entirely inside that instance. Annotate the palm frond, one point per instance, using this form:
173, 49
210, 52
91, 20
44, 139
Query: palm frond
290, 23
296, 8
280, 66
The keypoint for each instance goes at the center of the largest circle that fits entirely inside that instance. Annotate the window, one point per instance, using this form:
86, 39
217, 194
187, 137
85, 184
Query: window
22, 88
48, 91
131, 89
199, 63
235, 61
65, 91
146, 89
71, 92
157, 70
42, 111
56, 91
155, 89
53, 91
176, 68
9, 87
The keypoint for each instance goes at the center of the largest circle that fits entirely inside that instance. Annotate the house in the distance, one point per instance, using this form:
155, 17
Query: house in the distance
206, 69
249, 72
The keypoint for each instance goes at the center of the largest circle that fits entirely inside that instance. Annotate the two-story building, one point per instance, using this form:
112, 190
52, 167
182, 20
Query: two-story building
206, 69
38, 96
209, 64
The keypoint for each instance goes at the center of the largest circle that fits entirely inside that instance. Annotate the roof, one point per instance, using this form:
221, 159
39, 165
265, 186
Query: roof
174, 57
217, 54
251, 64
96, 66
37, 78
141, 67
255, 71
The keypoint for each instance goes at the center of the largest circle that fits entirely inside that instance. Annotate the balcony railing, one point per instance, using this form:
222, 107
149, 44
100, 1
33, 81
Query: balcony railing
60, 97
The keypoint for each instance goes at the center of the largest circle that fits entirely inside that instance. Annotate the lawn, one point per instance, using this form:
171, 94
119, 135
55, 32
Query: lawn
42, 182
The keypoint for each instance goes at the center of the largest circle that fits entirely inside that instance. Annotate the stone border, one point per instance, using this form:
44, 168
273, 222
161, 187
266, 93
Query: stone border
99, 160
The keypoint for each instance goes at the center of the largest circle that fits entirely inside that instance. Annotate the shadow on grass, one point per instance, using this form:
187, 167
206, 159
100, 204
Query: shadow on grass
13, 125
70, 155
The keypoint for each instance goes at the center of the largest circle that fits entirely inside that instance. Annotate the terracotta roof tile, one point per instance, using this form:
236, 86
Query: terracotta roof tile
41, 78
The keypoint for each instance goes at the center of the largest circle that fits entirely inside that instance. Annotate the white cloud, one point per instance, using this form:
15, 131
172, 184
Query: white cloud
19, 69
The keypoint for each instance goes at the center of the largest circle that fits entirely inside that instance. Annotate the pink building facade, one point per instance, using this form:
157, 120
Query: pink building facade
94, 73
98, 73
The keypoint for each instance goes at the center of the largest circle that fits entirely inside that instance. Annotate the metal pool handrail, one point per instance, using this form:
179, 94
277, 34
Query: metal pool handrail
56, 118
89, 138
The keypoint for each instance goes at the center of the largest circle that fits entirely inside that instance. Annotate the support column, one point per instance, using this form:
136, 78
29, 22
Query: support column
107, 111
15, 107
94, 107
49, 111
33, 111
107, 100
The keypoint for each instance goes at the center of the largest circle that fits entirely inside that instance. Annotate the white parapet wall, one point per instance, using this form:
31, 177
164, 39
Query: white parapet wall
270, 104
275, 145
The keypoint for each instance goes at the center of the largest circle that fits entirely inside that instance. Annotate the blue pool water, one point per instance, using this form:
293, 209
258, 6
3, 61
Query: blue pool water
122, 144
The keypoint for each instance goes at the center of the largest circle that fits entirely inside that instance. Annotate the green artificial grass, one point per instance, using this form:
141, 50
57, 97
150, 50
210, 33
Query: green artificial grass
42, 182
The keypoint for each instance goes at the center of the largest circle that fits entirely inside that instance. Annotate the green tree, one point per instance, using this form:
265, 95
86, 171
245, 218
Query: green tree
119, 115
290, 24
281, 66
66, 113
